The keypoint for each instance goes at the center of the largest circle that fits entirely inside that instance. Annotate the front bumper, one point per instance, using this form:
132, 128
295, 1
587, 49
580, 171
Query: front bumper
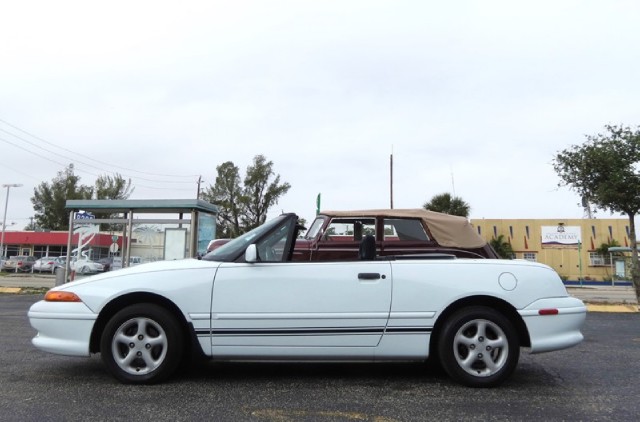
63, 328
554, 331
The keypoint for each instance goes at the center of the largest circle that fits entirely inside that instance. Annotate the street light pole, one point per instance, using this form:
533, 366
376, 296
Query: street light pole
4, 218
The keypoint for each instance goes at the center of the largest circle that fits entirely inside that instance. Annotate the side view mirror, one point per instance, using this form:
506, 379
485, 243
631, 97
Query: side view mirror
251, 254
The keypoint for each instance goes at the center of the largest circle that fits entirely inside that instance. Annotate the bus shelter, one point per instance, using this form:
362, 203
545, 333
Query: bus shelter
620, 263
155, 229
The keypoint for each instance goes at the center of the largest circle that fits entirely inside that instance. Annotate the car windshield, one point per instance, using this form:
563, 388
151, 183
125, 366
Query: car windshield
230, 251
314, 229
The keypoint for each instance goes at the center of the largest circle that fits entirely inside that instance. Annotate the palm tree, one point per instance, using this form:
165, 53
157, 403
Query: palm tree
502, 247
604, 248
448, 204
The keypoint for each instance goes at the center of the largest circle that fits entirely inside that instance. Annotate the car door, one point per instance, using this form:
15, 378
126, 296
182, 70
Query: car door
294, 308
341, 238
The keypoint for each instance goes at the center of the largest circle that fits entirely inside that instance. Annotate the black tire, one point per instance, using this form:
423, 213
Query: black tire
485, 333
149, 331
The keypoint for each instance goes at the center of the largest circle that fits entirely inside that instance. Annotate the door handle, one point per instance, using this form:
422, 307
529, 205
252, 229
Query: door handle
369, 276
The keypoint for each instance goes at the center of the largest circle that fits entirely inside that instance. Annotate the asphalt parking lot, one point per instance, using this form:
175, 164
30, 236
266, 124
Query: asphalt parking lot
597, 380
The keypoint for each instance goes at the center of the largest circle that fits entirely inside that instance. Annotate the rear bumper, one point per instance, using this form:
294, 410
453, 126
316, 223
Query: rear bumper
555, 331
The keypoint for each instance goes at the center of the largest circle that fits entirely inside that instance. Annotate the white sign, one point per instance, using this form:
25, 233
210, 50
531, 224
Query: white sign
83, 215
561, 236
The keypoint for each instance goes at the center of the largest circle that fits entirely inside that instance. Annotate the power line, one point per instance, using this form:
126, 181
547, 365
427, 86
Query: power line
76, 160
87, 157
31, 176
81, 170
30, 152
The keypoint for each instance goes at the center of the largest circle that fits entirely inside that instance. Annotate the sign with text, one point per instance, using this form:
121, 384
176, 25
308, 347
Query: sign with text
561, 236
83, 215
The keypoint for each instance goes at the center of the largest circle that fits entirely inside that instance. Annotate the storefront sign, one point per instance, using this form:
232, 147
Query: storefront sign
561, 236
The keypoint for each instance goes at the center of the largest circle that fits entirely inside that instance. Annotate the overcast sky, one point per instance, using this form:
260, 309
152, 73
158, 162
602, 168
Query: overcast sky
472, 97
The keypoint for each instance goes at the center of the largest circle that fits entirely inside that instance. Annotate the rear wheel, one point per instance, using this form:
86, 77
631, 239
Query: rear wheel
142, 344
479, 347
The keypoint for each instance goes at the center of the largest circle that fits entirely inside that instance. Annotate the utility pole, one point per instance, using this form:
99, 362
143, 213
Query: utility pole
453, 183
199, 181
4, 218
391, 179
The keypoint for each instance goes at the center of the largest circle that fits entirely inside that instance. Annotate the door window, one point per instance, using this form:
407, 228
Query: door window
349, 229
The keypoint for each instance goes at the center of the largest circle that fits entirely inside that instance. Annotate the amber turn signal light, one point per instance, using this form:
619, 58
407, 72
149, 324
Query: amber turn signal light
57, 296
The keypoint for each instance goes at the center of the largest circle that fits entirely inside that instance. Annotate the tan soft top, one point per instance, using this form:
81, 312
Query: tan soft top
448, 230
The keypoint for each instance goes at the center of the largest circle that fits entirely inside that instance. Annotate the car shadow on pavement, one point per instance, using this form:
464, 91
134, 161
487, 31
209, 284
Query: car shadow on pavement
409, 372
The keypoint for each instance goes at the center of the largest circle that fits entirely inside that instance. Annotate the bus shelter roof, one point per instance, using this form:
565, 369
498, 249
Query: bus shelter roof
142, 205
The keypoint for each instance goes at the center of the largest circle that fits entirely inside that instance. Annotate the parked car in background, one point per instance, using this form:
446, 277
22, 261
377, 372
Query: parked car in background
216, 243
336, 235
21, 263
86, 266
48, 264
106, 262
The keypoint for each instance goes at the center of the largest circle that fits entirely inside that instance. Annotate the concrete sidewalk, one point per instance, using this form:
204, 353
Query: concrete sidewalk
597, 298
27, 280
606, 298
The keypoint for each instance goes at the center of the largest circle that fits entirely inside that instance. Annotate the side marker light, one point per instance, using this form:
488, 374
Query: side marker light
58, 296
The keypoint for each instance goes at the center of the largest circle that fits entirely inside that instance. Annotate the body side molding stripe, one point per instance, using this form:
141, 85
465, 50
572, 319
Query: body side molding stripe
329, 331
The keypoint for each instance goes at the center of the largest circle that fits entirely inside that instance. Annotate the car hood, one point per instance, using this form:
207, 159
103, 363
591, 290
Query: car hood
159, 266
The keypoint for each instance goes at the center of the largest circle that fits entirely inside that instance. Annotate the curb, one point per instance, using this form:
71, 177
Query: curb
10, 290
596, 307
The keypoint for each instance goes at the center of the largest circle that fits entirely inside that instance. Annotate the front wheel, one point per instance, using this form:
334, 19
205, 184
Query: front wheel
142, 344
479, 347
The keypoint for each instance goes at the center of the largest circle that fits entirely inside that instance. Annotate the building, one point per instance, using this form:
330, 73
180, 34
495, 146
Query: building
569, 246
53, 243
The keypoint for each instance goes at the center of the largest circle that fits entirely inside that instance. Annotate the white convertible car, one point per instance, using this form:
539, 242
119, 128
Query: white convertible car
248, 301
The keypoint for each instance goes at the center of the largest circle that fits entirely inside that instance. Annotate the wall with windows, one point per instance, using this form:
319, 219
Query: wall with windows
567, 245
40, 244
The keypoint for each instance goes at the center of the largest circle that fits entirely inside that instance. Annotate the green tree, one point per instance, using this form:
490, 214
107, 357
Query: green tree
604, 170
49, 200
502, 247
302, 223
112, 187
448, 204
116, 187
32, 226
262, 189
226, 193
603, 249
243, 207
